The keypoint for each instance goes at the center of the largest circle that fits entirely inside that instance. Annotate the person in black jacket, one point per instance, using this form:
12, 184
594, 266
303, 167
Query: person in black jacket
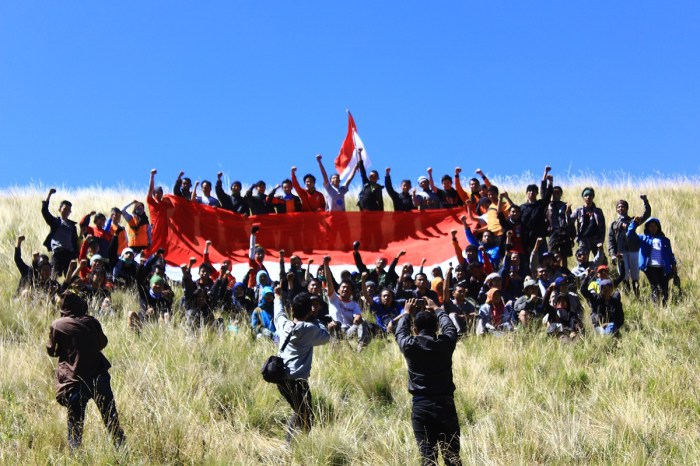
62, 240
607, 315
429, 360
533, 212
235, 202
370, 197
403, 201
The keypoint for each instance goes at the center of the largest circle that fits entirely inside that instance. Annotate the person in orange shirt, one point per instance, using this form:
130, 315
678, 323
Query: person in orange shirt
311, 199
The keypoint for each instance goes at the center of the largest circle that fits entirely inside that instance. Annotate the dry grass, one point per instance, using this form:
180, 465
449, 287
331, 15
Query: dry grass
523, 398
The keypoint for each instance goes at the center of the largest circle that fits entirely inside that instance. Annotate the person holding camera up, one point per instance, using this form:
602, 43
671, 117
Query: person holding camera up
306, 332
429, 360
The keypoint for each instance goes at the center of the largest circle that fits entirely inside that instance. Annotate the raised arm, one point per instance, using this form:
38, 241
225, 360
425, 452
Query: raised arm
446, 287
326, 181
483, 177
177, 189
194, 191
48, 218
458, 187
361, 164
253, 238
361, 267
352, 175
151, 185
21, 265
430, 180
647, 208
283, 272
329, 277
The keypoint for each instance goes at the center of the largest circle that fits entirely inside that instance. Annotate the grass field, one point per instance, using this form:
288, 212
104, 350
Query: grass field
522, 399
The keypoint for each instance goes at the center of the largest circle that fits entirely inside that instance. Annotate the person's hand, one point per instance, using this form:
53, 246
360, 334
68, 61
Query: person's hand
413, 191
219, 175
278, 186
223, 269
196, 183
278, 291
568, 208
207, 243
547, 168
538, 242
481, 248
193, 260
552, 286
454, 235
294, 169
458, 170
390, 327
478, 171
281, 252
153, 171
180, 175
410, 306
88, 237
20, 239
290, 276
311, 261
83, 264
423, 261
388, 171
504, 194
599, 246
430, 305
255, 229
357, 320
550, 178
360, 150
364, 276
326, 260
332, 325
356, 245
430, 170
319, 157
509, 234
401, 253
643, 197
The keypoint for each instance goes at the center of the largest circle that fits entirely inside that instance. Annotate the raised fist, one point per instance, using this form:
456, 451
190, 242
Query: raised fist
255, 229
356, 245
52, 191
319, 157
153, 171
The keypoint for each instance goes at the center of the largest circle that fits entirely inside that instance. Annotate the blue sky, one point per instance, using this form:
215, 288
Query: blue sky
97, 93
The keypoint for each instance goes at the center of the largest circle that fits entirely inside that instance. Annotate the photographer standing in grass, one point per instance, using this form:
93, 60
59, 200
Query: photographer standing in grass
429, 360
306, 332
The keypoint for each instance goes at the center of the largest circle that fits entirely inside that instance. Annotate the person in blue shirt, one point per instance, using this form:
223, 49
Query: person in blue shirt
656, 258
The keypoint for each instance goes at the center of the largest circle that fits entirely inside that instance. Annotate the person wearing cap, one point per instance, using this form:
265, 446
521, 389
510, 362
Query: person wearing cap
370, 197
425, 198
82, 373
534, 210
403, 201
623, 252
448, 196
602, 272
62, 239
590, 222
607, 315
530, 305
656, 258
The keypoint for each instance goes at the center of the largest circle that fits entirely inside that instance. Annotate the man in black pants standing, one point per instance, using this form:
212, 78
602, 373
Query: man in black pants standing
429, 360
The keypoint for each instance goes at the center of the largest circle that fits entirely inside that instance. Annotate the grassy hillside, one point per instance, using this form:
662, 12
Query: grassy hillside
524, 398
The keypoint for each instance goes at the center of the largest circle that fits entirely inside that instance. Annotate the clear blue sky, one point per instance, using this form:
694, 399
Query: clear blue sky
101, 92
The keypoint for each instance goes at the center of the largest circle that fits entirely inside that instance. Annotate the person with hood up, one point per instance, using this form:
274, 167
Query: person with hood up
656, 258
77, 340
262, 319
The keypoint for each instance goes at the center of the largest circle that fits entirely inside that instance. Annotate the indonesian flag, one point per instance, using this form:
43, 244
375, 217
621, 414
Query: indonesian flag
348, 156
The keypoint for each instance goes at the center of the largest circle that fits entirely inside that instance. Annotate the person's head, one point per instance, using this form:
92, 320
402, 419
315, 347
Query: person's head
531, 192
100, 220
423, 183
474, 186
582, 255
436, 272
236, 187
588, 194
139, 208
530, 287
345, 275
158, 193
262, 278
557, 193
476, 270
602, 272
260, 186
493, 280
205, 272
335, 180
386, 297
127, 255
206, 187
186, 183
73, 305
156, 283
562, 302
405, 186
345, 290
314, 286
459, 293
380, 263
546, 259
493, 296
556, 259
514, 259
372, 288
238, 290
116, 215
287, 186
93, 247
483, 190
622, 207
459, 273
98, 277
446, 182
267, 295
471, 253
373, 176
652, 227
64, 209
301, 306
542, 273
487, 238
259, 254
422, 282
514, 213
295, 262
310, 182
606, 288
407, 281
97, 262
425, 321
492, 193
44, 268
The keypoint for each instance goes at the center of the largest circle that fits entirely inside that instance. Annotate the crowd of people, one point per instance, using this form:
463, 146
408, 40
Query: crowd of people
513, 273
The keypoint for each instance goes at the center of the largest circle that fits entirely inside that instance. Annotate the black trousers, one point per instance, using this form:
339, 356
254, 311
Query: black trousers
100, 390
298, 395
60, 261
435, 425
659, 283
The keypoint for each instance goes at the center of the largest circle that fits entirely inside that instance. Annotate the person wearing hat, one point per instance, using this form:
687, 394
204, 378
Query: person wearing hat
623, 252
82, 373
590, 222
607, 315
425, 198
656, 258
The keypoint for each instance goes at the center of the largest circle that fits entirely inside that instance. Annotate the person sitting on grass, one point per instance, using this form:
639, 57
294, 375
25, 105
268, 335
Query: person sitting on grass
656, 258
530, 305
607, 315
155, 299
262, 320
488, 241
380, 275
344, 311
385, 310
562, 320
36, 276
456, 305
492, 317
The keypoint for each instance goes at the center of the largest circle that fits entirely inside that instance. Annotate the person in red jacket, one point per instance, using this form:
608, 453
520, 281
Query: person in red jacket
311, 199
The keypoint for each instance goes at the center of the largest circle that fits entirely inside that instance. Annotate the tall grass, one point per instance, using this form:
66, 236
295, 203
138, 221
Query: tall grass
197, 398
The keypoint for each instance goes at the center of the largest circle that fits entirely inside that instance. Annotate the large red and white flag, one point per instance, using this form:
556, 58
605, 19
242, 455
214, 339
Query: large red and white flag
348, 156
